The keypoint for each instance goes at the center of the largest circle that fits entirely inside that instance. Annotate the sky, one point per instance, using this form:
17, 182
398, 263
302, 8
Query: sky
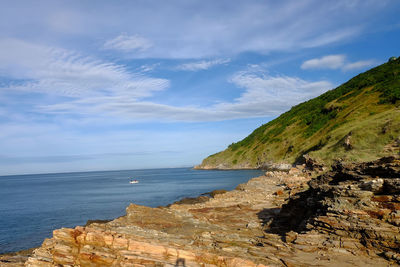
108, 85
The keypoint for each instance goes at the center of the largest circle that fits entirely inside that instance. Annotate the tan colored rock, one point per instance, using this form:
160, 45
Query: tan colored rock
120, 243
33, 262
108, 239
95, 239
66, 234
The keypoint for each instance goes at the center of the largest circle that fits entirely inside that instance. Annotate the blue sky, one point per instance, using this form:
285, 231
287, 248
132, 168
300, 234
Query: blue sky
101, 85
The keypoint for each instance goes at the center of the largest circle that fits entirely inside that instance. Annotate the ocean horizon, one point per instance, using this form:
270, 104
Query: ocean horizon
106, 170
33, 205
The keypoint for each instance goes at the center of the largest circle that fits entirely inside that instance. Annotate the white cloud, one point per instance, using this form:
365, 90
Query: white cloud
336, 62
128, 43
267, 95
359, 64
202, 65
325, 62
64, 73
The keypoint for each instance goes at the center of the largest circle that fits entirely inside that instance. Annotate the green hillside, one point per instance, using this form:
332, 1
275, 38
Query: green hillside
364, 112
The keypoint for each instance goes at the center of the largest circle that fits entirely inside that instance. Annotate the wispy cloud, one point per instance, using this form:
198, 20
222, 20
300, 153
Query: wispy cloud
336, 62
95, 88
333, 36
128, 43
193, 29
359, 64
263, 95
202, 65
61, 72
148, 67
325, 62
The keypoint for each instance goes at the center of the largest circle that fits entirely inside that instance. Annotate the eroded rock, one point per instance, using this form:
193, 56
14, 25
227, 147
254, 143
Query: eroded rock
358, 202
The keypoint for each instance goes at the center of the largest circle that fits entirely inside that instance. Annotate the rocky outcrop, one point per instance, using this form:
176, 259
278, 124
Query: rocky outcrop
357, 202
225, 166
271, 166
224, 231
274, 166
347, 217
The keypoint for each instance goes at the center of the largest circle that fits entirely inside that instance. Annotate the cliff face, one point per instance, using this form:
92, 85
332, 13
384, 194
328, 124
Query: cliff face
357, 121
347, 217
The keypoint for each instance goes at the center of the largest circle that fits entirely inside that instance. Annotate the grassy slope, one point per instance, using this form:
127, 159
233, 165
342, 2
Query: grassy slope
367, 106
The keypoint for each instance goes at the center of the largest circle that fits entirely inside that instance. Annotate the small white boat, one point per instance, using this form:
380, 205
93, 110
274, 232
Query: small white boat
134, 181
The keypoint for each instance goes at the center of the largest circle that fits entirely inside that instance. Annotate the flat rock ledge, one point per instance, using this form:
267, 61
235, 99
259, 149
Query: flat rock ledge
346, 217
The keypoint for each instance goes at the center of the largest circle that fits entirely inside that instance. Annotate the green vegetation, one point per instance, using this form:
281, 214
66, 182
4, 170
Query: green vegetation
367, 106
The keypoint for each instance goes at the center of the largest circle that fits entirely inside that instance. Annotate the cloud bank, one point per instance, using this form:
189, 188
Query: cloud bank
90, 88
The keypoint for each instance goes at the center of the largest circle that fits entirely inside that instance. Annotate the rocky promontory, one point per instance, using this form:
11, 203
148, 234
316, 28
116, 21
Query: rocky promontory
349, 216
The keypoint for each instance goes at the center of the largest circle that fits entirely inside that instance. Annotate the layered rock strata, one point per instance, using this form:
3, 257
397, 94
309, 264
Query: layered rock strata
328, 222
353, 201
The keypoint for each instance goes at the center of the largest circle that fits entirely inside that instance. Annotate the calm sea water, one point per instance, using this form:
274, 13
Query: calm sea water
31, 206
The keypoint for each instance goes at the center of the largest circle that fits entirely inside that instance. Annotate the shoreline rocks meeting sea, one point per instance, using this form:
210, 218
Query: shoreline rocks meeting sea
349, 216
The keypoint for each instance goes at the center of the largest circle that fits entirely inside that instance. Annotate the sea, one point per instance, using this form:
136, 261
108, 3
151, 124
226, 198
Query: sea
32, 206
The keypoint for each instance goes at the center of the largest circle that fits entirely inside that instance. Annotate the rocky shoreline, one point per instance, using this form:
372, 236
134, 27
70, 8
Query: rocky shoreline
268, 166
349, 216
